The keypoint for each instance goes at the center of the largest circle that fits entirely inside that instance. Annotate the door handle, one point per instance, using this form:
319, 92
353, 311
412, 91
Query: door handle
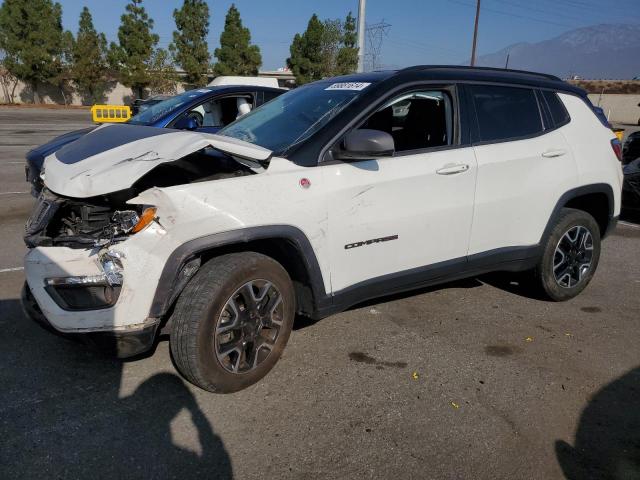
453, 169
554, 153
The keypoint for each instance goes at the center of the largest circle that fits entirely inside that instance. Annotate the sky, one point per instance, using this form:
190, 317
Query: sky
420, 32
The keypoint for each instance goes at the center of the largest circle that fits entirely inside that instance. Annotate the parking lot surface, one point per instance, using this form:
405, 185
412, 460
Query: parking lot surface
470, 380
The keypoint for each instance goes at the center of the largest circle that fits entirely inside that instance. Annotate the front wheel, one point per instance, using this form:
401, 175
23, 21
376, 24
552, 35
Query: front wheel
232, 321
570, 257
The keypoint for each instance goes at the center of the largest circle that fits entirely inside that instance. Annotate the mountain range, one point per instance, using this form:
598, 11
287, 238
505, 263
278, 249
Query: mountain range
596, 52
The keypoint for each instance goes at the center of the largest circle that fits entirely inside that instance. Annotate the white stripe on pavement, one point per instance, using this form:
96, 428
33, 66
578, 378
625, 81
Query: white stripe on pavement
13, 193
627, 224
13, 269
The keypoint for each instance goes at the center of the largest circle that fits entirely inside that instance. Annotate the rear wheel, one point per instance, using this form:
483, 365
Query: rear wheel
570, 255
232, 321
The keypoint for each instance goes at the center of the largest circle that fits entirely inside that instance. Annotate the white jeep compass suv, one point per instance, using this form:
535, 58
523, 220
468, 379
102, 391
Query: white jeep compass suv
331, 194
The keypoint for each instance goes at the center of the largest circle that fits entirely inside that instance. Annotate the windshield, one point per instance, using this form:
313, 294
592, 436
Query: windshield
158, 110
293, 117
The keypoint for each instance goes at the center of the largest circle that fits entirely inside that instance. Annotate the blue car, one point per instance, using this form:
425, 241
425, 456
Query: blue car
205, 109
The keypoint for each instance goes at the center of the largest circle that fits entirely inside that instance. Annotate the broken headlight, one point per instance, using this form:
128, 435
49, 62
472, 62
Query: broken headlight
127, 221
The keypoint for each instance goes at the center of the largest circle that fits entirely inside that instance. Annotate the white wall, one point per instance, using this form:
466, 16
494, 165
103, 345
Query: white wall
116, 94
621, 108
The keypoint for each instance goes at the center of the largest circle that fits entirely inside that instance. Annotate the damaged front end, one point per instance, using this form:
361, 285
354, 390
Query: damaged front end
85, 200
95, 225
96, 245
86, 223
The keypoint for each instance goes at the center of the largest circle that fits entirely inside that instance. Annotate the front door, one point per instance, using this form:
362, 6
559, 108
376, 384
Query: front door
401, 213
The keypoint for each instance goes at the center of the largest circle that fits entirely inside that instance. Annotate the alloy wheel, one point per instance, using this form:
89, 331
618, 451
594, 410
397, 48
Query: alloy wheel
573, 256
248, 326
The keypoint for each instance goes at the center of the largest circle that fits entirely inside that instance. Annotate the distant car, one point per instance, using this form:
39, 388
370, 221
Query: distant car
205, 109
631, 148
237, 80
140, 105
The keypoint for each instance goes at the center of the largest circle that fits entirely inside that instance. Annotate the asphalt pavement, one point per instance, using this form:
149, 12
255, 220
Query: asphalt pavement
470, 380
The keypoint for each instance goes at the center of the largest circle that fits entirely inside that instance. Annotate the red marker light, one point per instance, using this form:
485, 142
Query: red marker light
305, 182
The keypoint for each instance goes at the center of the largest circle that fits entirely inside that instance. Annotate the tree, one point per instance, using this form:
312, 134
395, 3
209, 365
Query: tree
236, 55
163, 77
306, 52
325, 49
132, 55
31, 37
347, 59
8, 81
330, 46
62, 79
189, 47
89, 59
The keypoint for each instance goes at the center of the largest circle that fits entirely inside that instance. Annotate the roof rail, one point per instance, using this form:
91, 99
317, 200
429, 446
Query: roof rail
481, 69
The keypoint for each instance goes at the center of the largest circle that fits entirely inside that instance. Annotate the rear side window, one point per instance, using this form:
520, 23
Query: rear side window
270, 96
505, 112
559, 114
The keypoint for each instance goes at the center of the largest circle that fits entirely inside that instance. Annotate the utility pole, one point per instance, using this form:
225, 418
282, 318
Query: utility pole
361, 29
475, 35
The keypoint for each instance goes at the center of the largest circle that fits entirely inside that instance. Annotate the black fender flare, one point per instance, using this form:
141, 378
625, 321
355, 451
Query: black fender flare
603, 188
167, 291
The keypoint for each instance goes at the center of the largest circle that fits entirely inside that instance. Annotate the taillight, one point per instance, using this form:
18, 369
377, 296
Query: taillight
617, 148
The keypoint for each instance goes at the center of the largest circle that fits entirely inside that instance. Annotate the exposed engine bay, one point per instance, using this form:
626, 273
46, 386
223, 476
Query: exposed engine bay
102, 220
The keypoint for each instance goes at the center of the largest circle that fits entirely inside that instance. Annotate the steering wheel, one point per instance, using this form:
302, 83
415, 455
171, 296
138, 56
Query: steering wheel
197, 116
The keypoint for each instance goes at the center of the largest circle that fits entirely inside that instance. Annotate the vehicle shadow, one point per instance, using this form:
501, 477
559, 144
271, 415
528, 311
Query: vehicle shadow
607, 440
303, 322
62, 414
517, 283
631, 216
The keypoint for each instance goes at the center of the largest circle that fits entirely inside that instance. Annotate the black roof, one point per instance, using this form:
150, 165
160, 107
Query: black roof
465, 74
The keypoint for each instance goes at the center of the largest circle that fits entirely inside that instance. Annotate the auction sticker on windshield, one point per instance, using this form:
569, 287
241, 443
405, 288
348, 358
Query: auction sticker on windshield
348, 86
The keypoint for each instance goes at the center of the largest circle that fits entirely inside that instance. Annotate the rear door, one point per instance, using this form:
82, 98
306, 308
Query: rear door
524, 166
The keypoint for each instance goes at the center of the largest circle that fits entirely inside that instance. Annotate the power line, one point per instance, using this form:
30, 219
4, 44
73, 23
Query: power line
538, 10
425, 46
513, 14
562, 11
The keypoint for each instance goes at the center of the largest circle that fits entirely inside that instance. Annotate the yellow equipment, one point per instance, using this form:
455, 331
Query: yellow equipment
110, 113
619, 132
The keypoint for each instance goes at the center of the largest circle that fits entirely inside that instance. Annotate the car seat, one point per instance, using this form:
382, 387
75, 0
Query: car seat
244, 106
425, 126
212, 114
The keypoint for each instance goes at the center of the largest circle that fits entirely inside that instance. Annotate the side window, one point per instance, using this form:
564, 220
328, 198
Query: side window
416, 120
505, 112
270, 96
220, 112
559, 114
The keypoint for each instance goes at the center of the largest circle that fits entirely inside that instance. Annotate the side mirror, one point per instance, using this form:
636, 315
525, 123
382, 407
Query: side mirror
365, 144
186, 123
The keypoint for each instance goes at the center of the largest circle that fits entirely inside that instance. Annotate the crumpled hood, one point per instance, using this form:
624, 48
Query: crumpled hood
112, 157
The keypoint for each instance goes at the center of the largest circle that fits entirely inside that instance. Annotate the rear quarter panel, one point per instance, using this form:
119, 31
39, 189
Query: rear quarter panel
590, 142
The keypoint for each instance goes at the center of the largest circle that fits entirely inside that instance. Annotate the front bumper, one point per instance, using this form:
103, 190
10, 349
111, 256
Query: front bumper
123, 343
126, 307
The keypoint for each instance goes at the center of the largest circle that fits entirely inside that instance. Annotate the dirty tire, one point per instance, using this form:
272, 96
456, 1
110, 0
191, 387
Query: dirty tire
199, 309
544, 276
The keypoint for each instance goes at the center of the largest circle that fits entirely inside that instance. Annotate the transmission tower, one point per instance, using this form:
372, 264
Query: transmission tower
375, 35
